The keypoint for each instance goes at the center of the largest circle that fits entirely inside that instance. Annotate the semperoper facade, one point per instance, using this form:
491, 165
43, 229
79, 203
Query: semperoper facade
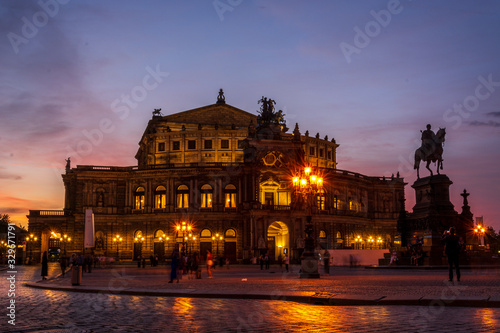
228, 173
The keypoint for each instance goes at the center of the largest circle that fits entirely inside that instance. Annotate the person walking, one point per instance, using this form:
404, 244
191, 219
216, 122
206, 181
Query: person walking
174, 265
452, 250
287, 262
210, 262
326, 262
63, 262
45, 265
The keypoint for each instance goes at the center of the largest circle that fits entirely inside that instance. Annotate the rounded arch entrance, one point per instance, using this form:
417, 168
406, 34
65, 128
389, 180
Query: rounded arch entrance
278, 240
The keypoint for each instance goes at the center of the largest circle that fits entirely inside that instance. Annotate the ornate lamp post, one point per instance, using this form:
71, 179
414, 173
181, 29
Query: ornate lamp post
117, 239
184, 227
65, 239
479, 231
379, 242
3, 247
30, 241
370, 241
217, 238
358, 241
308, 186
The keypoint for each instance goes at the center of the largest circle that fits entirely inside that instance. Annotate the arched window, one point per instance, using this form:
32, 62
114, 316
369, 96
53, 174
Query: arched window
230, 196
206, 196
230, 233
335, 202
159, 236
339, 235
322, 234
138, 237
182, 196
206, 233
139, 198
160, 197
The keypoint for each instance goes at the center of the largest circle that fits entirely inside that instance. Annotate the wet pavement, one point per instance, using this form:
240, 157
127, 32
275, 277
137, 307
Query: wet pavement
40, 310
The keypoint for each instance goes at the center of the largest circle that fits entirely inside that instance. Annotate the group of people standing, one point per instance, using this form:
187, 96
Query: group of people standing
186, 264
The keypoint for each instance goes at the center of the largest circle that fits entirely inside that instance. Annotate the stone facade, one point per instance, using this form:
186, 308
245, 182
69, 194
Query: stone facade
216, 168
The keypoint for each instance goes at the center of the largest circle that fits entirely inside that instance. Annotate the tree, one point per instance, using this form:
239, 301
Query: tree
4, 222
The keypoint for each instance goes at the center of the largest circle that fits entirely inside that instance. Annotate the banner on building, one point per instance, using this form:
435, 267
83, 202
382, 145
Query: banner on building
89, 228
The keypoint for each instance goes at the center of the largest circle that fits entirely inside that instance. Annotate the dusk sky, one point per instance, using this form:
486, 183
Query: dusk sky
81, 78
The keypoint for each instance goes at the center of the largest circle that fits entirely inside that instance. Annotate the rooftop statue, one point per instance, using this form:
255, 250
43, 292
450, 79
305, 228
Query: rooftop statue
157, 113
269, 116
431, 149
221, 99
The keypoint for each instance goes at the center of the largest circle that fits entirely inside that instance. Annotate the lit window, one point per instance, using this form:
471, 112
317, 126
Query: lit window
160, 197
321, 200
322, 234
183, 196
335, 202
206, 196
230, 196
139, 198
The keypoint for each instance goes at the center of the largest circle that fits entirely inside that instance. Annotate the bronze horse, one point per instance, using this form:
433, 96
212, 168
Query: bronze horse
434, 153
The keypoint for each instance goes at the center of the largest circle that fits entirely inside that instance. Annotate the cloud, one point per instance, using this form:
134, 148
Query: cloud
8, 175
494, 114
490, 123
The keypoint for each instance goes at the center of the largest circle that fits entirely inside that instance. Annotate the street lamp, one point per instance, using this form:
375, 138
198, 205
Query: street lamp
217, 238
308, 185
65, 239
184, 227
117, 239
358, 241
379, 242
479, 231
370, 241
30, 241
3, 247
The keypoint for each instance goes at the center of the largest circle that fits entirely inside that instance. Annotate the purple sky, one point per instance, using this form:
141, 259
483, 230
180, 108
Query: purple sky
370, 74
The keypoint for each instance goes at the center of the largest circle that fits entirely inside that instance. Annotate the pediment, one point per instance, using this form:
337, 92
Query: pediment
222, 114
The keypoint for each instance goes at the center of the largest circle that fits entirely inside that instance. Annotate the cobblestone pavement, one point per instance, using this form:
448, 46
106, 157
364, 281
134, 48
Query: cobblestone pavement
59, 311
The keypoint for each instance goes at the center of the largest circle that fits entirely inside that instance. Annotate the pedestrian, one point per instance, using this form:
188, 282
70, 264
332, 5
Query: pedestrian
266, 259
45, 265
261, 260
174, 266
210, 263
280, 262
139, 260
326, 262
63, 261
452, 250
151, 260
287, 262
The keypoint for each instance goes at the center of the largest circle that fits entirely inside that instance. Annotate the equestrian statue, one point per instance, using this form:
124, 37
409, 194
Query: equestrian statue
431, 149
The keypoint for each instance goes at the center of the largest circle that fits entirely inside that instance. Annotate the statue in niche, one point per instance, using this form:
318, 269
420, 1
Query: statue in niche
99, 243
300, 243
261, 242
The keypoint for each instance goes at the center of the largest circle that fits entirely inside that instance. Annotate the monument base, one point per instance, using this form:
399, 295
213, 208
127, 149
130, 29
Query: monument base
309, 265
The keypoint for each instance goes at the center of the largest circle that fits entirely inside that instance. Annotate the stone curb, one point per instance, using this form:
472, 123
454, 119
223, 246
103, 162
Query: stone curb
315, 298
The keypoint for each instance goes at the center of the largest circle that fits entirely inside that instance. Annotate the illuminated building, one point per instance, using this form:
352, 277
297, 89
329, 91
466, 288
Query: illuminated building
228, 172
